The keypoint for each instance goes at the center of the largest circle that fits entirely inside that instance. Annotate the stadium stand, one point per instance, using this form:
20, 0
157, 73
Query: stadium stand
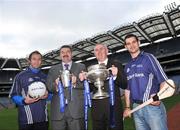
159, 34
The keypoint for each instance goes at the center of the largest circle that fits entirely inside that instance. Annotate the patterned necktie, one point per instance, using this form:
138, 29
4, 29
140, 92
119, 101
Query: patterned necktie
66, 66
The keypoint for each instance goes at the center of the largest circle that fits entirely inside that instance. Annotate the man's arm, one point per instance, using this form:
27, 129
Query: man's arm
15, 93
127, 103
79, 83
156, 103
121, 79
18, 100
50, 82
158, 73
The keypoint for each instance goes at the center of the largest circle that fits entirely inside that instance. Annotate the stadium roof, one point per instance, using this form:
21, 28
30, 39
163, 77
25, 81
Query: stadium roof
150, 30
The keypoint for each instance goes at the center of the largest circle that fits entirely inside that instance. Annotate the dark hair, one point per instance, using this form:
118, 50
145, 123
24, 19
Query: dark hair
66, 46
34, 52
129, 36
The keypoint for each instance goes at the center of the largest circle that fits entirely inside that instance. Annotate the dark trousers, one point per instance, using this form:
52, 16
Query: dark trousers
101, 115
35, 126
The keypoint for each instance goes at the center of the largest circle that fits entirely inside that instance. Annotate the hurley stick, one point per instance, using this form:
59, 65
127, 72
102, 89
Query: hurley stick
167, 90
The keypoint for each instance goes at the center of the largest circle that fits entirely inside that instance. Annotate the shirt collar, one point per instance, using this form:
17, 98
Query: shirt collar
34, 70
105, 61
140, 54
70, 64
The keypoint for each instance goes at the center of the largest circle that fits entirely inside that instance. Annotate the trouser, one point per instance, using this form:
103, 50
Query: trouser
34, 126
68, 123
150, 117
101, 111
103, 124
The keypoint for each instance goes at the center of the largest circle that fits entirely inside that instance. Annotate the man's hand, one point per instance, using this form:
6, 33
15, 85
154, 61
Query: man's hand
29, 100
56, 84
126, 112
155, 103
74, 80
57, 81
45, 95
114, 70
82, 76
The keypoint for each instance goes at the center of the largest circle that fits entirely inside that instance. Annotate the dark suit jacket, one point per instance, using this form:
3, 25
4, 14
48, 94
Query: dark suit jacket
76, 106
101, 107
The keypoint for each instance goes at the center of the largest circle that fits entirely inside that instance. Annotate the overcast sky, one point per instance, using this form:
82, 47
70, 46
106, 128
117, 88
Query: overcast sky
44, 25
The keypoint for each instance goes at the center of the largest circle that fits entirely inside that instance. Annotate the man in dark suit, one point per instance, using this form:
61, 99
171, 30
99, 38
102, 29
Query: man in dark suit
102, 112
73, 116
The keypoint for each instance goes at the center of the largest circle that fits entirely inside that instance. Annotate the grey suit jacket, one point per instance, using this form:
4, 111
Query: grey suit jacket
76, 105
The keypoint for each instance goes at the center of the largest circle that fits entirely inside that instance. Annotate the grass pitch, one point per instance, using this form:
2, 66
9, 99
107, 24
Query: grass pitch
8, 117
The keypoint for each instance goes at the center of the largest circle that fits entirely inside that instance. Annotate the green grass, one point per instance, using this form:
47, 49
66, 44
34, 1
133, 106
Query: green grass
8, 117
171, 101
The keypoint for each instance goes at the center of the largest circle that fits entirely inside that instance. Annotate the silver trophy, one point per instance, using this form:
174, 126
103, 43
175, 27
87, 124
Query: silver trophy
97, 74
65, 77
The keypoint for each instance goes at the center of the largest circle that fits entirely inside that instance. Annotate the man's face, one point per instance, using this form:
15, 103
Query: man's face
100, 52
132, 45
66, 55
35, 60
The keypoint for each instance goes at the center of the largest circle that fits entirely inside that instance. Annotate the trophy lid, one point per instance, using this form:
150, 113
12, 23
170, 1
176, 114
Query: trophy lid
95, 67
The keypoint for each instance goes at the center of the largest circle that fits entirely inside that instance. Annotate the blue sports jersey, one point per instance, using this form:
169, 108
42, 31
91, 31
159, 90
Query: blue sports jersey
35, 112
144, 75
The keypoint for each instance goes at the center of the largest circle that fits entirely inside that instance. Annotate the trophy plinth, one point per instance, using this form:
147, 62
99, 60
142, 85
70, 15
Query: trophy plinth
97, 74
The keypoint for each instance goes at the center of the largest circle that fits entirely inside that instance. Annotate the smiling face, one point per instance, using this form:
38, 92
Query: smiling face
35, 60
66, 55
101, 52
132, 45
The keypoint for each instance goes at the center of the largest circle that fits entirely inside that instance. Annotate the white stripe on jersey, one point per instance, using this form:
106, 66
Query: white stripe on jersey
148, 88
12, 87
46, 113
159, 66
27, 110
28, 114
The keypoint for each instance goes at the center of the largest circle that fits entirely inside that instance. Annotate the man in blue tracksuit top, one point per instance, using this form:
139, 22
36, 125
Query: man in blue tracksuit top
145, 78
32, 113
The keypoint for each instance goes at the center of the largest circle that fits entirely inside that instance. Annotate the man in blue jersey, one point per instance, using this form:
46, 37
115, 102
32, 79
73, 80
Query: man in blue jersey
145, 78
32, 112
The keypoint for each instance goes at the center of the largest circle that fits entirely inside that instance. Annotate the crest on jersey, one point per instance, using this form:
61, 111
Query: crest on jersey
30, 79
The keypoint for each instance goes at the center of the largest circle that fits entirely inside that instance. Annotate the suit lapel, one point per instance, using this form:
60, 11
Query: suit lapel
72, 67
60, 67
108, 64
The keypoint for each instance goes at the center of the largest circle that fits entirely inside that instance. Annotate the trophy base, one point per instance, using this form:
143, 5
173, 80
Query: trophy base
101, 95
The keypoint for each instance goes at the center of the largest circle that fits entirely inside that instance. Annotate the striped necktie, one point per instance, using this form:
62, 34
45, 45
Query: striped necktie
66, 66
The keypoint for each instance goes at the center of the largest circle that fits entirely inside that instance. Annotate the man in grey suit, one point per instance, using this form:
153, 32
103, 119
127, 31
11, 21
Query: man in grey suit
73, 116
